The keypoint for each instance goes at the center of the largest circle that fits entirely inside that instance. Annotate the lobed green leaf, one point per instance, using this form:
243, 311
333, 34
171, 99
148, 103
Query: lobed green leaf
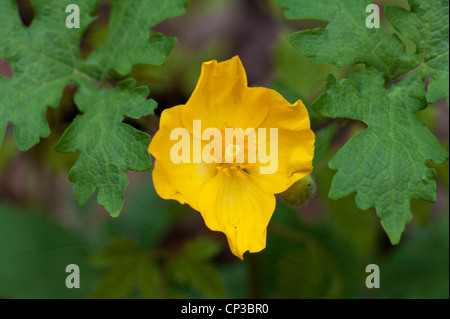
45, 58
385, 164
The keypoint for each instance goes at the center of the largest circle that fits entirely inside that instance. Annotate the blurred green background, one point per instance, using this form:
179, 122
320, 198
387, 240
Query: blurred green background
161, 249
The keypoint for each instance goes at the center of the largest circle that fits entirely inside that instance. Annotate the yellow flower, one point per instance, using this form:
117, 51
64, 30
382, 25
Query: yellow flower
234, 197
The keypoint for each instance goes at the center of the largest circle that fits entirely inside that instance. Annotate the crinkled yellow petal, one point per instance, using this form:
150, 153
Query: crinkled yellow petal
295, 144
238, 208
295, 154
282, 114
222, 98
182, 181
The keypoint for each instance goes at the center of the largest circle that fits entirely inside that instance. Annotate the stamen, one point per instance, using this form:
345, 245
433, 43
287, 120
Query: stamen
240, 169
225, 171
241, 175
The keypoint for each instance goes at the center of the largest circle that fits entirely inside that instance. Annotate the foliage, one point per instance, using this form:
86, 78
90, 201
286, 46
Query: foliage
45, 58
35, 252
385, 164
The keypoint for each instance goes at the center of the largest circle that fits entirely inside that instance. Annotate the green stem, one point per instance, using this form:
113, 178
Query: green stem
254, 282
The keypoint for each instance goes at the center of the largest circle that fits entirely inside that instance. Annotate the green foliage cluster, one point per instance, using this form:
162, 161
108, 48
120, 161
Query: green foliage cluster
45, 58
133, 259
385, 164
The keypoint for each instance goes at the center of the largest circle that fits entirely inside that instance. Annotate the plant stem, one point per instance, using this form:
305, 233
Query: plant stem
254, 282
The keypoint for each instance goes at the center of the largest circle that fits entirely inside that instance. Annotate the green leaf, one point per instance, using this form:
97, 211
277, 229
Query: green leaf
127, 267
192, 267
305, 273
346, 40
128, 42
427, 24
45, 57
35, 252
419, 269
149, 278
118, 251
117, 283
385, 164
108, 148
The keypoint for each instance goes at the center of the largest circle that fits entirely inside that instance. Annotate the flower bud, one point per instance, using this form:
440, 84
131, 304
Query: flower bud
300, 192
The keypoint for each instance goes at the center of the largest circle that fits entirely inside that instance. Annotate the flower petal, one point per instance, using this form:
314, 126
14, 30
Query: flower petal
295, 154
238, 208
282, 114
181, 181
222, 98
295, 144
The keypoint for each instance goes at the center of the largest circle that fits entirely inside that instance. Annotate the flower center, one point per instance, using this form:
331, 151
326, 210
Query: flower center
235, 166
232, 150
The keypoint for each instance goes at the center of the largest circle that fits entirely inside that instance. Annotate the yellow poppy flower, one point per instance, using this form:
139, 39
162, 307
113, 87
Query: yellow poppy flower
233, 194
